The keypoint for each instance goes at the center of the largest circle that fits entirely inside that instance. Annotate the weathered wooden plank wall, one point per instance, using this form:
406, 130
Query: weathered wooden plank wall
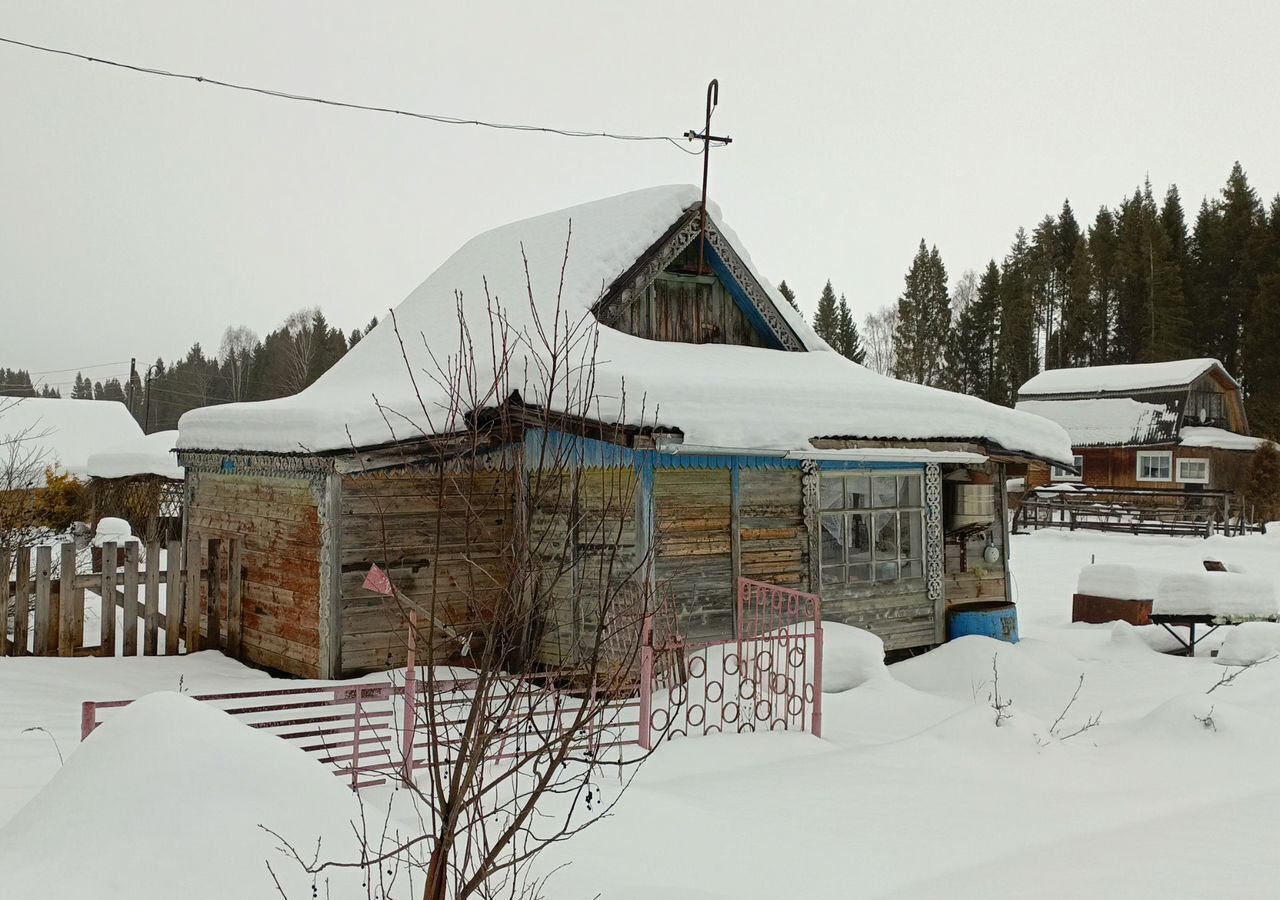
277, 521
771, 527
446, 543
693, 559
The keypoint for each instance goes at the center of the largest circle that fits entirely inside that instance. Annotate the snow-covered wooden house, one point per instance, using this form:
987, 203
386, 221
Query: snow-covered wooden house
1177, 425
611, 339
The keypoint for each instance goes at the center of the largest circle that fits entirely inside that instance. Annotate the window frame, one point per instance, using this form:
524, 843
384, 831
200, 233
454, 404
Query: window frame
1181, 479
1166, 455
1067, 476
914, 514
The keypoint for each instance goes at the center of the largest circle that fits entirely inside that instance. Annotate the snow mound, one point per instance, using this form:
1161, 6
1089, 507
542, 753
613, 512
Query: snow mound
850, 657
111, 529
1118, 582
1216, 593
1250, 642
133, 811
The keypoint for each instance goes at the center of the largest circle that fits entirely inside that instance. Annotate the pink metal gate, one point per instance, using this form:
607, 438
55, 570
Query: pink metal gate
768, 677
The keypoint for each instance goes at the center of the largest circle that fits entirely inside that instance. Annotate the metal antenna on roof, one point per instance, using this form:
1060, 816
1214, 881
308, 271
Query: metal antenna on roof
707, 138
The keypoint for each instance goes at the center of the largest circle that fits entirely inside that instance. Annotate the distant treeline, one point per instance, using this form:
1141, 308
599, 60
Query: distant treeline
1135, 285
244, 368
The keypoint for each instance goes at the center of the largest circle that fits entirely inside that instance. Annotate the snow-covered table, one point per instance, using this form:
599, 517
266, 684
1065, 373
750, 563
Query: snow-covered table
1212, 599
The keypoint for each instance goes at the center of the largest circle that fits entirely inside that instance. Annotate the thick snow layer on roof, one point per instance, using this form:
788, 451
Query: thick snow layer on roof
1218, 439
1101, 379
65, 433
150, 454
1105, 421
717, 395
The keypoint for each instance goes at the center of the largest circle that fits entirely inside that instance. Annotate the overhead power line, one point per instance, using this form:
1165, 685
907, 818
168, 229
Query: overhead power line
304, 98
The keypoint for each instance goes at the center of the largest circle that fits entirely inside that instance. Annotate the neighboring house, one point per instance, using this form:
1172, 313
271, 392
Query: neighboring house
140, 481
37, 433
1176, 425
744, 446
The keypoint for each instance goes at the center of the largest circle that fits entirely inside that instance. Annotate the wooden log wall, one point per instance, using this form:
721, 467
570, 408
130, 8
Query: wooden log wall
447, 543
277, 520
774, 542
1117, 467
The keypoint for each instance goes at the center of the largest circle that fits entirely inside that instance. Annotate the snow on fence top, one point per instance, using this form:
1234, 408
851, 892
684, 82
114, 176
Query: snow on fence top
1107, 421
717, 395
1118, 379
63, 433
150, 454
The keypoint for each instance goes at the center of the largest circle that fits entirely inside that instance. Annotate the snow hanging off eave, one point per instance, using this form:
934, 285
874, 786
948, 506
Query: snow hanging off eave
150, 454
1105, 421
717, 395
1218, 439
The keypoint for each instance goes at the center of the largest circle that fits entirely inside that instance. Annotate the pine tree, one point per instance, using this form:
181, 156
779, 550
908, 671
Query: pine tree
924, 319
83, 389
826, 321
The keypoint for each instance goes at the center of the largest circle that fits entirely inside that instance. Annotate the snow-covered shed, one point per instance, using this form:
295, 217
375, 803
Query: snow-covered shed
139, 480
1176, 425
39, 433
610, 351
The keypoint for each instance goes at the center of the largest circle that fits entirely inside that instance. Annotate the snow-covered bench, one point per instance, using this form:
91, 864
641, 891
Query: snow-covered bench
1213, 599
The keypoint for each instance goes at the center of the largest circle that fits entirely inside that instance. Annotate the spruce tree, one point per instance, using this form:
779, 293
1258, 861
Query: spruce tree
83, 389
850, 341
1103, 253
787, 294
1261, 359
924, 318
1017, 355
826, 321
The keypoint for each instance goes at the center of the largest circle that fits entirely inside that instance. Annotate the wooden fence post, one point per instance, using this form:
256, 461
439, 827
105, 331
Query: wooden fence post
5, 562
152, 613
68, 599
41, 645
172, 598
191, 600
214, 630
21, 601
130, 636
233, 600
107, 625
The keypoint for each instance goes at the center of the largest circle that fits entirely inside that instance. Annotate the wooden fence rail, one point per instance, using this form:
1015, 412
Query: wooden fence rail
42, 612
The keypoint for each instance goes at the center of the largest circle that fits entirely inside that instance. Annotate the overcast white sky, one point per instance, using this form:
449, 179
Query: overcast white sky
138, 214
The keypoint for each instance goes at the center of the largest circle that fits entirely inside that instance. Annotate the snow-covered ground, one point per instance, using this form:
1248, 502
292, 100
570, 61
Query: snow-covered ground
912, 792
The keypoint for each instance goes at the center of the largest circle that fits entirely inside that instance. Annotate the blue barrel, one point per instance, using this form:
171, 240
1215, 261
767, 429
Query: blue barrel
991, 618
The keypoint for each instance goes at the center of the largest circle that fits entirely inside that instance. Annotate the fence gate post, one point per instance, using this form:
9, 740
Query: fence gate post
214, 631
191, 597
44, 598
172, 598
88, 718
68, 599
151, 624
646, 682
4, 602
355, 742
21, 601
233, 599
129, 642
410, 699
107, 608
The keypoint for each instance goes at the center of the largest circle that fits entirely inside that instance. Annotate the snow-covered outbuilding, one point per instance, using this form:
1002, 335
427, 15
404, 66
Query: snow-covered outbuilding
1177, 425
609, 351
139, 480
39, 433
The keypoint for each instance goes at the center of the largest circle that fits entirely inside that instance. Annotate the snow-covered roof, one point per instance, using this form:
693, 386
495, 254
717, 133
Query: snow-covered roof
1108, 421
65, 433
150, 454
717, 395
1218, 439
1119, 379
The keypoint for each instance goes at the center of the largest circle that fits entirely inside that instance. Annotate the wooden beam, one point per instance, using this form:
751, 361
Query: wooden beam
234, 573
5, 562
151, 624
191, 597
42, 643
107, 606
213, 633
129, 640
172, 598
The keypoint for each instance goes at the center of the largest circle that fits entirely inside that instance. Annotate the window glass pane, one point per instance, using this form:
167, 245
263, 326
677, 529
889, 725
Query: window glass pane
884, 491
832, 540
833, 575
858, 527
859, 574
857, 490
887, 571
912, 568
909, 528
886, 532
831, 493
908, 490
